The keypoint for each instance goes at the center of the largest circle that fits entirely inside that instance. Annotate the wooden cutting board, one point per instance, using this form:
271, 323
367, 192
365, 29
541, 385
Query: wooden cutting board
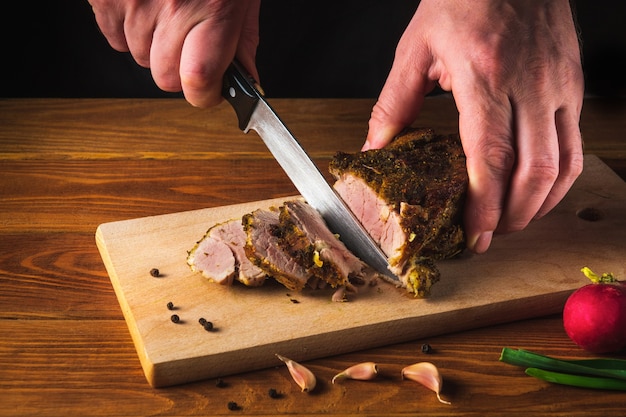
525, 274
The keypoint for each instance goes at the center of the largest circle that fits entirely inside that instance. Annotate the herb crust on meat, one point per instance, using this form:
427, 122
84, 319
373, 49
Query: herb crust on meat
419, 182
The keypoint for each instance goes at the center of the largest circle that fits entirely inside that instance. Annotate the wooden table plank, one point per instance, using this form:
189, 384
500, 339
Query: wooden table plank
56, 276
78, 195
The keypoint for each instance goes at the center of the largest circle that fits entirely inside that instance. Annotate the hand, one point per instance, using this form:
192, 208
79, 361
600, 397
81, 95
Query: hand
515, 73
187, 44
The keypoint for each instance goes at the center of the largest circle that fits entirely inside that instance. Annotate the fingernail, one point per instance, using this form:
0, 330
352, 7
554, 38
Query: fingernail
366, 146
480, 243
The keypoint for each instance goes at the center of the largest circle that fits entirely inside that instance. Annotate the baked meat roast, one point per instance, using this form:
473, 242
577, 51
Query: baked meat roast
410, 197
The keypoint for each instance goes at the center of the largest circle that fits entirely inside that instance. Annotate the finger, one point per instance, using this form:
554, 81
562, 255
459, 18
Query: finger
139, 25
207, 51
165, 52
571, 158
111, 24
402, 96
249, 39
485, 127
537, 164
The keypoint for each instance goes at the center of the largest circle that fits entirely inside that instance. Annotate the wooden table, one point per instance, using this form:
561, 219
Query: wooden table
67, 166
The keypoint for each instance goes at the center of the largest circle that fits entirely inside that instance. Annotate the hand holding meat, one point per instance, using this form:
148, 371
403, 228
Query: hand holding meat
514, 69
187, 44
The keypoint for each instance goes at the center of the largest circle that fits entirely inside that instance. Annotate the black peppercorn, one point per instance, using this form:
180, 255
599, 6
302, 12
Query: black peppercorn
175, 318
208, 326
273, 393
154, 272
232, 406
202, 321
426, 348
170, 306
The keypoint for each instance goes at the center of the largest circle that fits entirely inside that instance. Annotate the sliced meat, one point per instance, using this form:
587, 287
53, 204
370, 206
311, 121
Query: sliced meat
266, 249
220, 256
214, 259
308, 239
233, 235
410, 197
294, 246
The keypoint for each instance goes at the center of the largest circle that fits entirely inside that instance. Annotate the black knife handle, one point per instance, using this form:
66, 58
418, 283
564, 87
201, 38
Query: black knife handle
238, 88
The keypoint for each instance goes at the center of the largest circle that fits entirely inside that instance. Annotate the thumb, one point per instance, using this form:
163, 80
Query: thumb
401, 98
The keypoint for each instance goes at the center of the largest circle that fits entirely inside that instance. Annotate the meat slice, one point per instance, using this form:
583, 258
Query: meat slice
293, 245
307, 238
266, 249
214, 259
220, 256
410, 197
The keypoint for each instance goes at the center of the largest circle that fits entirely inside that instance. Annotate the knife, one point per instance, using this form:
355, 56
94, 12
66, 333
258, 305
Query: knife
253, 112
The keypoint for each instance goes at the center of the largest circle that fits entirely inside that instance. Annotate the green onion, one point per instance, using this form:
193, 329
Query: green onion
578, 380
595, 367
601, 363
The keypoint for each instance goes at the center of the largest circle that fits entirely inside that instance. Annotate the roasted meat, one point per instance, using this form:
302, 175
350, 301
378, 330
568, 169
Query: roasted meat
409, 196
291, 244
265, 247
220, 256
307, 238
294, 245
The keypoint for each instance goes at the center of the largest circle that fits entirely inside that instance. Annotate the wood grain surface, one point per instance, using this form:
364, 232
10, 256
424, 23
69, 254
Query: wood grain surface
67, 166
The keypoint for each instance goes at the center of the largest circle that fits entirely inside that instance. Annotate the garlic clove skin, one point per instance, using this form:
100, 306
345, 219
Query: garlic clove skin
426, 374
341, 293
339, 296
362, 371
301, 375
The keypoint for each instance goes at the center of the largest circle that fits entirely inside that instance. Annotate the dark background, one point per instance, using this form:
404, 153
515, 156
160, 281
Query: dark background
322, 48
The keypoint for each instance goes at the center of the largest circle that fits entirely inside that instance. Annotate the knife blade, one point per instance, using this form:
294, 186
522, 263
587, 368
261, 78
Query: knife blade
254, 113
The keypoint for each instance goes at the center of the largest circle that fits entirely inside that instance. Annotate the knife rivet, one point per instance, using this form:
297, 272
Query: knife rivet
232, 92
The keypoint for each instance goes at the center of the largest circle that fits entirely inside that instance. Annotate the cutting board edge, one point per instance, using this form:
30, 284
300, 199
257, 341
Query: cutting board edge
101, 230
168, 373
146, 364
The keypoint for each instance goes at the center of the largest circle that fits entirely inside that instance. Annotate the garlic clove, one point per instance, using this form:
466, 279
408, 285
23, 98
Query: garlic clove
426, 374
361, 371
339, 296
300, 374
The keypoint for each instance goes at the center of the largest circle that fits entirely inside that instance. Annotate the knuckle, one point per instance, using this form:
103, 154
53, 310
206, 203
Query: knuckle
490, 64
541, 173
572, 166
498, 156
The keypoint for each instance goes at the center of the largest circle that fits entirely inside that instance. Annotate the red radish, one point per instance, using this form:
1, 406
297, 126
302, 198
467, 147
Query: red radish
594, 316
